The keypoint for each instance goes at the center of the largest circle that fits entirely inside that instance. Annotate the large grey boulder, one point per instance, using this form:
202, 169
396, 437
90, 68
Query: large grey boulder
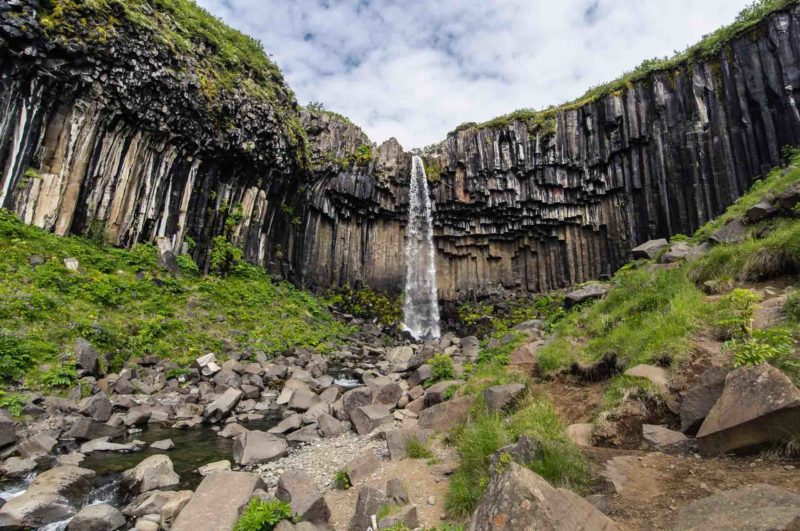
367, 418
589, 292
8, 434
16, 467
298, 490
100, 517
217, 501
499, 397
329, 426
38, 445
753, 507
51, 497
86, 429
97, 406
420, 374
437, 393
355, 398
303, 399
154, 472
442, 417
756, 407
650, 249
698, 399
362, 466
399, 357
256, 447
518, 498
385, 391
85, 357
222, 406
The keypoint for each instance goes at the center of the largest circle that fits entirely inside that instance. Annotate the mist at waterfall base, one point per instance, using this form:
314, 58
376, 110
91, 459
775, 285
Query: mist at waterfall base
421, 306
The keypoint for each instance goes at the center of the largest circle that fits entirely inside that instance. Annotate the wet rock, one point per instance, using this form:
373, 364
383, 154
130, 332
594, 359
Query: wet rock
298, 490
38, 445
8, 433
362, 467
585, 293
664, 440
367, 418
756, 406
442, 417
650, 249
750, 507
209, 510
51, 497
368, 504
103, 445
16, 467
163, 445
223, 405
232, 430
256, 447
97, 406
216, 466
154, 472
518, 498
100, 517
86, 429
500, 397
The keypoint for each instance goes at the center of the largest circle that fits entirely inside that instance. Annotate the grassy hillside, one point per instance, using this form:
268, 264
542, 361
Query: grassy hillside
128, 307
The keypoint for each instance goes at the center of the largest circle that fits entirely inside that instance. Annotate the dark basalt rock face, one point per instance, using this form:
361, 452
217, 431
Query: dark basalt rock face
121, 143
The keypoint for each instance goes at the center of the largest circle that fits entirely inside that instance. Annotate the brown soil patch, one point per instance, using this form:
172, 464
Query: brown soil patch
574, 403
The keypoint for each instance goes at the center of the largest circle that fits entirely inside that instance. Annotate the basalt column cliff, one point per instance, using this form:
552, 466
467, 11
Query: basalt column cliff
104, 132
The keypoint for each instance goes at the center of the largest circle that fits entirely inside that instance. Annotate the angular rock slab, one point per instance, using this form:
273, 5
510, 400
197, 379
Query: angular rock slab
442, 417
650, 249
499, 397
759, 405
297, 488
154, 472
256, 447
217, 501
521, 499
588, 292
101, 517
51, 497
753, 507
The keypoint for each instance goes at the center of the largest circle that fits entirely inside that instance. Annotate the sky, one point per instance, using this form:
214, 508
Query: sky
416, 69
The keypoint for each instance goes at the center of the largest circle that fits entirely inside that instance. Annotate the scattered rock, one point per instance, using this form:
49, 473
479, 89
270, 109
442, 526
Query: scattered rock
298, 490
523, 452
216, 466
154, 472
762, 507
518, 498
232, 430
650, 249
499, 397
732, 233
256, 447
362, 467
217, 501
164, 445
223, 405
86, 429
51, 497
397, 440
761, 210
38, 445
367, 418
16, 467
581, 434
288, 424
86, 357
404, 518
8, 433
524, 357
97, 406
589, 292
664, 440
756, 406
396, 491
442, 417
700, 397
100, 517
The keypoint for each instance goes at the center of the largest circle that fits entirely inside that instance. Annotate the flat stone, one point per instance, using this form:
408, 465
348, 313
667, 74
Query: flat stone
164, 445
589, 292
256, 447
288, 424
216, 466
100, 517
443, 417
210, 509
650, 249
664, 440
756, 507
88, 429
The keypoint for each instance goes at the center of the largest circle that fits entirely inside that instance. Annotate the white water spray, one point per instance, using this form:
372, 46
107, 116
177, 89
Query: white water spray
421, 309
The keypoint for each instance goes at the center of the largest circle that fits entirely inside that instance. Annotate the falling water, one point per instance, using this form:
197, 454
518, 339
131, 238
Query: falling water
421, 311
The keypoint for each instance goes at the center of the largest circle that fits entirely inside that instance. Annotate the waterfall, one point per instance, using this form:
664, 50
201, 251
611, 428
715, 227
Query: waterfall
421, 308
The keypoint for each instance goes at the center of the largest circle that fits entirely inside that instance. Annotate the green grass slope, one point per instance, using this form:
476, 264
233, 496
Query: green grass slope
128, 307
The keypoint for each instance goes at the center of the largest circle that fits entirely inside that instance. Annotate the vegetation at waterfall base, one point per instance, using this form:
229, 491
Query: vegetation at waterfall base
128, 307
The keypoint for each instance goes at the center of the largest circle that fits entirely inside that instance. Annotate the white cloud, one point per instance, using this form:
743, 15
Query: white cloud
415, 69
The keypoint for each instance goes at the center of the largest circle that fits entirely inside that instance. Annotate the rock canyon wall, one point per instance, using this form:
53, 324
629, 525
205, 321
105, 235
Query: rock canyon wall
111, 138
